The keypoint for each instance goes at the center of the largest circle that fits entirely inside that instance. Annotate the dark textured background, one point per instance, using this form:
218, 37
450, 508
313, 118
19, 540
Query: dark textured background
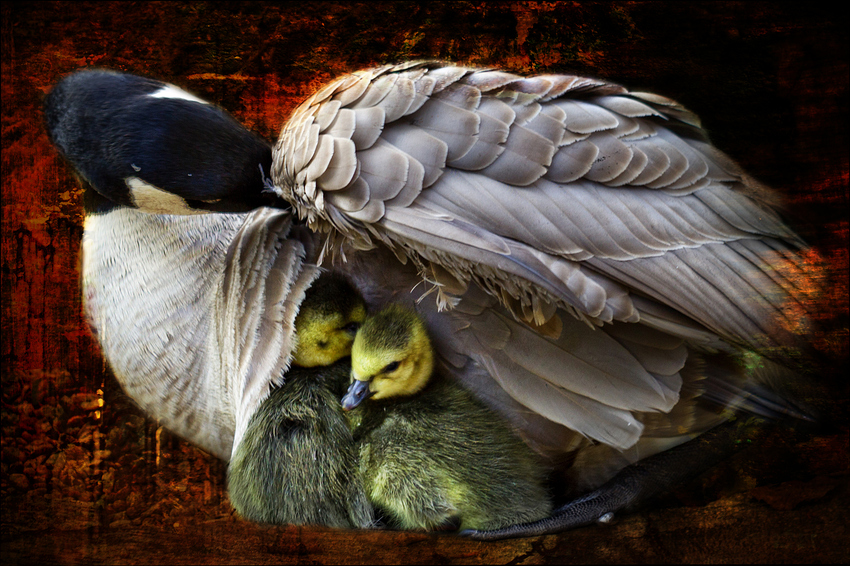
87, 478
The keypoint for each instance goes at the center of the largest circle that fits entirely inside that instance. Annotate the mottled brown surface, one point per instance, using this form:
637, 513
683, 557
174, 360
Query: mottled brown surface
86, 478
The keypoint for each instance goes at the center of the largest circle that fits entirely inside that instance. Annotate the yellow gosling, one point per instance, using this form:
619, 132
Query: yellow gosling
431, 455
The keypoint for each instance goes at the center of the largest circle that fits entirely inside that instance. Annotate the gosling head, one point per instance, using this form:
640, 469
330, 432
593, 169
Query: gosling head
391, 357
327, 321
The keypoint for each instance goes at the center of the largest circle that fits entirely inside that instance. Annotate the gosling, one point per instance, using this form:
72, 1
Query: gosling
431, 455
297, 463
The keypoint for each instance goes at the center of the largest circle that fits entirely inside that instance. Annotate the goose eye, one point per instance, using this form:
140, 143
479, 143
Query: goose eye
390, 367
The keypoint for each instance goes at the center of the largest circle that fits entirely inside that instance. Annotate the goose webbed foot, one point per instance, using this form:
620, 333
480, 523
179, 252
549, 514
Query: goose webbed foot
637, 483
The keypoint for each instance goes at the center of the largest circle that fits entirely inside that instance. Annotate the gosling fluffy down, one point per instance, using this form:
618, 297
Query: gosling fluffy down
297, 463
431, 455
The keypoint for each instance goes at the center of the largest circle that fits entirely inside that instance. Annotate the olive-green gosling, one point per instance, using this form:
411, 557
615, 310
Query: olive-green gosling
297, 463
431, 455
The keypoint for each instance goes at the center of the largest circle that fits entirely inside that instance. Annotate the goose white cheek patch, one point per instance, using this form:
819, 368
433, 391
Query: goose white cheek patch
155, 200
171, 91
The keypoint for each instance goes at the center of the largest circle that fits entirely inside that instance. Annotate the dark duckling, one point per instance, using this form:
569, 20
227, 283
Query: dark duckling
297, 463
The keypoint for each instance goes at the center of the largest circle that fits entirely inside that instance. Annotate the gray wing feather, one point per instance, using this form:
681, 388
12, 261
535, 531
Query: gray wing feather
555, 194
265, 280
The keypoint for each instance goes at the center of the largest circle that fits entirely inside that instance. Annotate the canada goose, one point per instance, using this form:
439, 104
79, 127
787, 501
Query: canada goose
297, 463
592, 256
430, 453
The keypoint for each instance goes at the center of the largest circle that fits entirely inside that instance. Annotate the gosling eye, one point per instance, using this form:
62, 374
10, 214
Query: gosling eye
390, 367
352, 327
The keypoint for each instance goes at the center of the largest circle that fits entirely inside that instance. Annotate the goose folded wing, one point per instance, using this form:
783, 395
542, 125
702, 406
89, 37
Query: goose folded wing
549, 190
265, 277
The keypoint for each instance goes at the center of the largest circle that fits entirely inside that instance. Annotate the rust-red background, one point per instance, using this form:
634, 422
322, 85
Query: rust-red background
87, 478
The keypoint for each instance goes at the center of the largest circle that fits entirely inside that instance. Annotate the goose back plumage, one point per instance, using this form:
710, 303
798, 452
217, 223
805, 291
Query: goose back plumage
539, 208
549, 191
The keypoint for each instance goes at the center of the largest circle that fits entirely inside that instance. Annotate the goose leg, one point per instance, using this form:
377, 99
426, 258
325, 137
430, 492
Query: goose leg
638, 482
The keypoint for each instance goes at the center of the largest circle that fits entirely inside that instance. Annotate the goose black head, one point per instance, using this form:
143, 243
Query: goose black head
151, 145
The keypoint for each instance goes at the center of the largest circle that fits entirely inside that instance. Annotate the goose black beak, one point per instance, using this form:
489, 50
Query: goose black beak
357, 392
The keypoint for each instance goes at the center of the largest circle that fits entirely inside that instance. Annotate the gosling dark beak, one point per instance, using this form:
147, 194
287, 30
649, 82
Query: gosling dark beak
357, 392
